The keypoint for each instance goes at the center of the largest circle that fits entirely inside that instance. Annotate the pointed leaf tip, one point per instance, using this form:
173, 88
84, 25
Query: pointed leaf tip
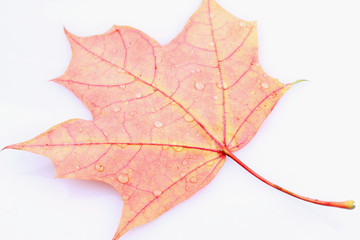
301, 80
296, 82
14, 146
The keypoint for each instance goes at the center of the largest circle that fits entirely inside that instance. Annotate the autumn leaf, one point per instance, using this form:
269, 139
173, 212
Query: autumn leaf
164, 117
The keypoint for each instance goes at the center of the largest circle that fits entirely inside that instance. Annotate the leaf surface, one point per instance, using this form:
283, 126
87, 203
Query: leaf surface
164, 117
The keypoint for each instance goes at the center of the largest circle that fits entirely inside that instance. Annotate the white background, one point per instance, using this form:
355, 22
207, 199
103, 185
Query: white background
309, 144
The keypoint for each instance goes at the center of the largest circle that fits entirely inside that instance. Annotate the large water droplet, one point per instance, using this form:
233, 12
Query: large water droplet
158, 124
99, 167
157, 193
265, 85
199, 86
188, 118
123, 178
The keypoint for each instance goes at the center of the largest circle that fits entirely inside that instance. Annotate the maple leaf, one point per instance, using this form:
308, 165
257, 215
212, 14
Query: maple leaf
164, 117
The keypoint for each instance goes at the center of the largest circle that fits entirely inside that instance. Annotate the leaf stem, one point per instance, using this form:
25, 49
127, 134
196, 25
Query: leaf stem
345, 204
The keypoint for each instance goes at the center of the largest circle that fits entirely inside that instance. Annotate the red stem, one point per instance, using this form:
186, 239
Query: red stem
346, 204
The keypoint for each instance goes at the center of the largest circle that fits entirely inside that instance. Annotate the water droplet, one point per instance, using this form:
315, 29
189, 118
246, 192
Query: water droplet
176, 148
138, 95
211, 15
122, 86
106, 134
265, 85
89, 87
157, 193
199, 86
192, 52
188, 118
211, 44
173, 103
99, 167
80, 129
210, 163
122, 145
152, 109
193, 71
158, 124
176, 66
125, 197
184, 162
219, 85
133, 113
215, 97
182, 174
77, 167
116, 109
193, 179
123, 178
